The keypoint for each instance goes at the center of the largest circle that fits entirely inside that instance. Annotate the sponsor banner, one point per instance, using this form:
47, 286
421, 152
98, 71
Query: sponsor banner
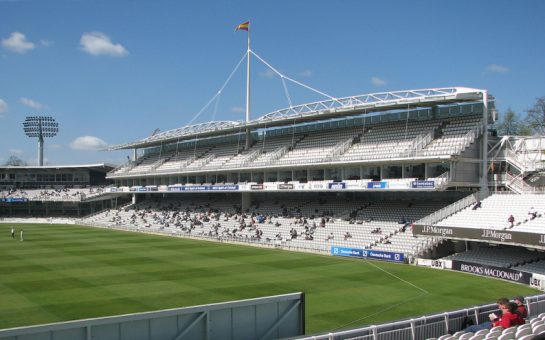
203, 187
353, 185
536, 179
284, 186
398, 185
350, 252
384, 255
491, 271
111, 190
377, 185
370, 254
424, 262
537, 281
256, 187
317, 186
423, 184
488, 235
14, 199
163, 188
336, 186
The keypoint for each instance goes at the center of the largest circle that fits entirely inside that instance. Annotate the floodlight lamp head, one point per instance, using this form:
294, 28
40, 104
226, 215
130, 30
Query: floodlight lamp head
40, 127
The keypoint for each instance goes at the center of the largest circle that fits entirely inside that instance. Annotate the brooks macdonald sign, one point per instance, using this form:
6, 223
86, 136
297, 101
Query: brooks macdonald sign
487, 235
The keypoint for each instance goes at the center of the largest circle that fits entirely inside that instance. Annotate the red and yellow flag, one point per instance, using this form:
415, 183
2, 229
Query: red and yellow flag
244, 26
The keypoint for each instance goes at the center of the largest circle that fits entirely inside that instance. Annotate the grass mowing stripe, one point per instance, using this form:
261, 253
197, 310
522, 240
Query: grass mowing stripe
72, 272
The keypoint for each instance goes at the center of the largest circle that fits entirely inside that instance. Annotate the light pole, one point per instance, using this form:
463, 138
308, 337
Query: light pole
40, 127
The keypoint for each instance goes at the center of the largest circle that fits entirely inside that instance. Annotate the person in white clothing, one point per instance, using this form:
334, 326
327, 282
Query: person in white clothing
21, 235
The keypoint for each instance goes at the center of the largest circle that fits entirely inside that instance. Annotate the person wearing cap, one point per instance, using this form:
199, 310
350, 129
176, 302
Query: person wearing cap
519, 300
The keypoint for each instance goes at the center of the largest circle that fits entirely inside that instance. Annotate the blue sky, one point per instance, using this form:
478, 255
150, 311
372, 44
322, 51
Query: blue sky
112, 72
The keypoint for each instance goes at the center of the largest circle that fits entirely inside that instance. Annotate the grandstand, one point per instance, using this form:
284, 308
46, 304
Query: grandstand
392, 176
54, 191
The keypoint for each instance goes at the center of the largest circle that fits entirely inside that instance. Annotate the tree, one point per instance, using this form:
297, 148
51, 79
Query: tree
511, 125
536, 116
15, 161
507, 125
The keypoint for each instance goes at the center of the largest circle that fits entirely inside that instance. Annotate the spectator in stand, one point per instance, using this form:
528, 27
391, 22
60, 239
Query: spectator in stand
519, 300
477, 205
532, 213
510, 317
511, 220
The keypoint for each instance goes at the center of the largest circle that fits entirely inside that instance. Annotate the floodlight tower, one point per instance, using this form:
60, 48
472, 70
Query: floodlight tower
40, 126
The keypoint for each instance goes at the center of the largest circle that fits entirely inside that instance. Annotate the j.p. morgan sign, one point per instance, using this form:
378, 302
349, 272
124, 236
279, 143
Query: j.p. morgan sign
489, 235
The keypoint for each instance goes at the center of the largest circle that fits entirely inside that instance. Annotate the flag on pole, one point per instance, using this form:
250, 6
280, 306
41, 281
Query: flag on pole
244, 26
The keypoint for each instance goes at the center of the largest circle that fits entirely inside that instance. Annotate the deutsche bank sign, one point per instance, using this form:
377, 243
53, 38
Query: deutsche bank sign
368, 254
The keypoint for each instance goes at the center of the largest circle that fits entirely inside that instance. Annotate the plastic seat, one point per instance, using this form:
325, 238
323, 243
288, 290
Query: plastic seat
477, 337
496, 330
526, 337
464, 336
538, 329
508, 336
482, 332
522, 331
510, 330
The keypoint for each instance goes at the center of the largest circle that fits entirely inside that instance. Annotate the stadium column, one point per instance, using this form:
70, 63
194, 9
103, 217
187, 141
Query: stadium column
246, 200
484, 171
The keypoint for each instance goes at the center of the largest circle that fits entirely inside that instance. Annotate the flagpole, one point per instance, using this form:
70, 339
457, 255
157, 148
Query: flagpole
248, 141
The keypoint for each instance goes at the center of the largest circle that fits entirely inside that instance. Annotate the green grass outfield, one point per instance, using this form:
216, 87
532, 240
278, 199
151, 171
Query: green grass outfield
63, 272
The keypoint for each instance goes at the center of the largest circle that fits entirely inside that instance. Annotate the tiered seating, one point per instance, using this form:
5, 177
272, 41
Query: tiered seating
65, 194
316, 147
505, 257
534, 328
453, 140
270, 146
302, 224
378, 142
495, 211
375, 141
144, 164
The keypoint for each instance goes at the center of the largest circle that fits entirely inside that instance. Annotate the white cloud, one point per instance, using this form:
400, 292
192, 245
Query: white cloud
17, 43
88, 143
31, 103
97, 43
267, 74
46, 43
305, 73
3, 107
238, 109
376, 81
15, 151
495, 68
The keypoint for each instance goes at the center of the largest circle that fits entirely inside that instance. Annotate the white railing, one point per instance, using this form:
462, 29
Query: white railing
448, 210
277, 154
160, 162
522, 161
517, 184
339, 149
250, 158
417, 144
442, 180
205, 160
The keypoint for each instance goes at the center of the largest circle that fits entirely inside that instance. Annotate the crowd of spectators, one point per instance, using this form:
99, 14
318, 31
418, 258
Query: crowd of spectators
53, 194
